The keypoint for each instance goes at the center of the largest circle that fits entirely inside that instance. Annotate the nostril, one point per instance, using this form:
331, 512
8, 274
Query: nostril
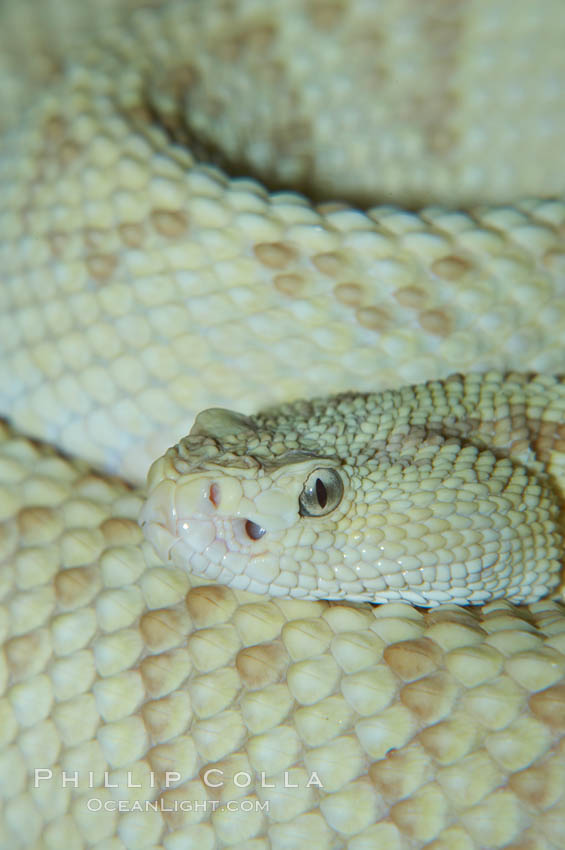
253, 530
214, 495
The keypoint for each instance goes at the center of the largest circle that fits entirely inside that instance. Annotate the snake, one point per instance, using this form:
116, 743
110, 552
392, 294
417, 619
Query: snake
333, 615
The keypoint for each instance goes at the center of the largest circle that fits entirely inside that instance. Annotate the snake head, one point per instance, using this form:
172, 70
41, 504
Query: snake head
355, 497
228, 505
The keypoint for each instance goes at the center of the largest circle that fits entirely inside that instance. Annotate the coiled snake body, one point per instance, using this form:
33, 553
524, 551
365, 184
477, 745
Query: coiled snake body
144, 706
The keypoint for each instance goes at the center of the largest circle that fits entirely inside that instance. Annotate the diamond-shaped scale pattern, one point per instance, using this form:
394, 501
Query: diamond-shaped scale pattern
139, 286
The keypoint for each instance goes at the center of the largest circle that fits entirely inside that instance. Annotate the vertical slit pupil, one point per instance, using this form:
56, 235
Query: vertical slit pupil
321, 493
214, 495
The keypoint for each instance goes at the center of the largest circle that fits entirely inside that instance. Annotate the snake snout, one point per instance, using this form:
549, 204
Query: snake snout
201, 517
249, 529
214, 494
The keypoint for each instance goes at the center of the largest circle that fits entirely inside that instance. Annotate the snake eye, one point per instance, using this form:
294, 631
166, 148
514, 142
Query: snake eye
321, 493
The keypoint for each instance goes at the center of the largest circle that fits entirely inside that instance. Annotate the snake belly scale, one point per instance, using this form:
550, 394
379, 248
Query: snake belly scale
145, 705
